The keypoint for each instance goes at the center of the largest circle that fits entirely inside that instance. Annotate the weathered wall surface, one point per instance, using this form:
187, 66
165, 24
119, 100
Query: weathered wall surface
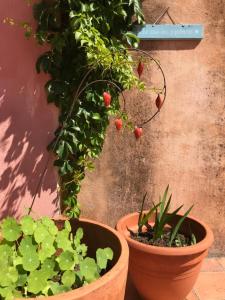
26, 122
185, 145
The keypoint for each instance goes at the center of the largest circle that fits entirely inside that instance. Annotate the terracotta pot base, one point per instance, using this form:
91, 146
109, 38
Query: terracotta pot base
163, 273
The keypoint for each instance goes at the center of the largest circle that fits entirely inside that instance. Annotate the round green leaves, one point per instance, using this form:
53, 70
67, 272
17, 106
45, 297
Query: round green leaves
48, 268
66, 260
8, 276
102, 256
27, 225
5, 253
11, 230
41, 233
68, 278
36, 282
30, 261
88, 269
37, 258
27, 246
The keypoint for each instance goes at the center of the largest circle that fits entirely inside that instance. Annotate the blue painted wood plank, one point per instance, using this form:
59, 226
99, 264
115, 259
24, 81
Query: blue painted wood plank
169, 32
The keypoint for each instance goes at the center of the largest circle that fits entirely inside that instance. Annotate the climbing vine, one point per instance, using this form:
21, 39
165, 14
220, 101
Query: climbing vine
87, 42
90, 65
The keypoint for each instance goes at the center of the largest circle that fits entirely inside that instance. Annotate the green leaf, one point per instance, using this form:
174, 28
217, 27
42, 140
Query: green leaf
67, 226
102, 256
5, 252
8, 275
43, 62
47, 248
68, 278
41, 233
27, 225
66, 168
82, 249
96, 116
16, 295
193, 239
62, 240
50, 225
11, 230
132, 39
141, 211
177, 227
47, 268
147, 216
56, 288
88, 269
7, 293
22, 279
30, 261
137, 10
66, 260
77, 35
27, 246
36, 282
161, 210
17, 260
48, 242
46, 252
163, 219
76, 128
61, 150
78, 236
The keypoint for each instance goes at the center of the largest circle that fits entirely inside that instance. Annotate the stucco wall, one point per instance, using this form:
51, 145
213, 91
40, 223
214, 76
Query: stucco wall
27, 123
184, 146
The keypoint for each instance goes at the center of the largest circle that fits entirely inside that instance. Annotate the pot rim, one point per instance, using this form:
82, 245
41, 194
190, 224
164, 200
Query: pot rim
116, 269
201, 246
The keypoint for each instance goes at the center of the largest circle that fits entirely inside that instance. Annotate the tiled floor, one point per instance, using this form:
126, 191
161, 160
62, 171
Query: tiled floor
209, 286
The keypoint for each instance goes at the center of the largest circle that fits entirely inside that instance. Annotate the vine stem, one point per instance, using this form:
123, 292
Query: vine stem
106, 81
164, 89
77, 93
164, 83
56, 142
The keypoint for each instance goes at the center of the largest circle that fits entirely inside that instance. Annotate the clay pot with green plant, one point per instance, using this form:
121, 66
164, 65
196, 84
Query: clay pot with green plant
61, 259
166, 250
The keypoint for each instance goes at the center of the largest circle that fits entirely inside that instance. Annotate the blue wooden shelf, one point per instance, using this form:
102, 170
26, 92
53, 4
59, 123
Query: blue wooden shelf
169, 32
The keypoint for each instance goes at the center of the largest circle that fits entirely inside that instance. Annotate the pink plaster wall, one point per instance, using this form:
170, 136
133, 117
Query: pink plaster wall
26, 121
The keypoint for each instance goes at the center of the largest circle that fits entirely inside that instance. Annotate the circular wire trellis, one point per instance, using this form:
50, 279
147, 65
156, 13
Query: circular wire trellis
164, 89
76, 96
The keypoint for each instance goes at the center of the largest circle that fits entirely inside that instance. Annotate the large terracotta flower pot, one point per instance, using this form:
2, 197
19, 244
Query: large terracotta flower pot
111, 286
164, 273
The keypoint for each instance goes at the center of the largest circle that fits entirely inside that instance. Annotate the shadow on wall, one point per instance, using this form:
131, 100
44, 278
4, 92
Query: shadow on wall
169, 45
26, 125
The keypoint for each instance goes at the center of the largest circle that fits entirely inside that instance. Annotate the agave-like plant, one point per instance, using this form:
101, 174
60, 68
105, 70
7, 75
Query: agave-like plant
162, 218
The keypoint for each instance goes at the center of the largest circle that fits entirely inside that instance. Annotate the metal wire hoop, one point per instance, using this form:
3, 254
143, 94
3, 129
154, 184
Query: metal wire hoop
77, 93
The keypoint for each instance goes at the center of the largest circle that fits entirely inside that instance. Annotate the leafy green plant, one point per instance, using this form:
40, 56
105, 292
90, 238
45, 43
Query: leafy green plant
160, 229
87, 44
38, 259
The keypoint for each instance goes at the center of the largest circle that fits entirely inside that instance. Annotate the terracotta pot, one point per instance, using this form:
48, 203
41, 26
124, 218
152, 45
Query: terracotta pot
163, 273
110, 286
